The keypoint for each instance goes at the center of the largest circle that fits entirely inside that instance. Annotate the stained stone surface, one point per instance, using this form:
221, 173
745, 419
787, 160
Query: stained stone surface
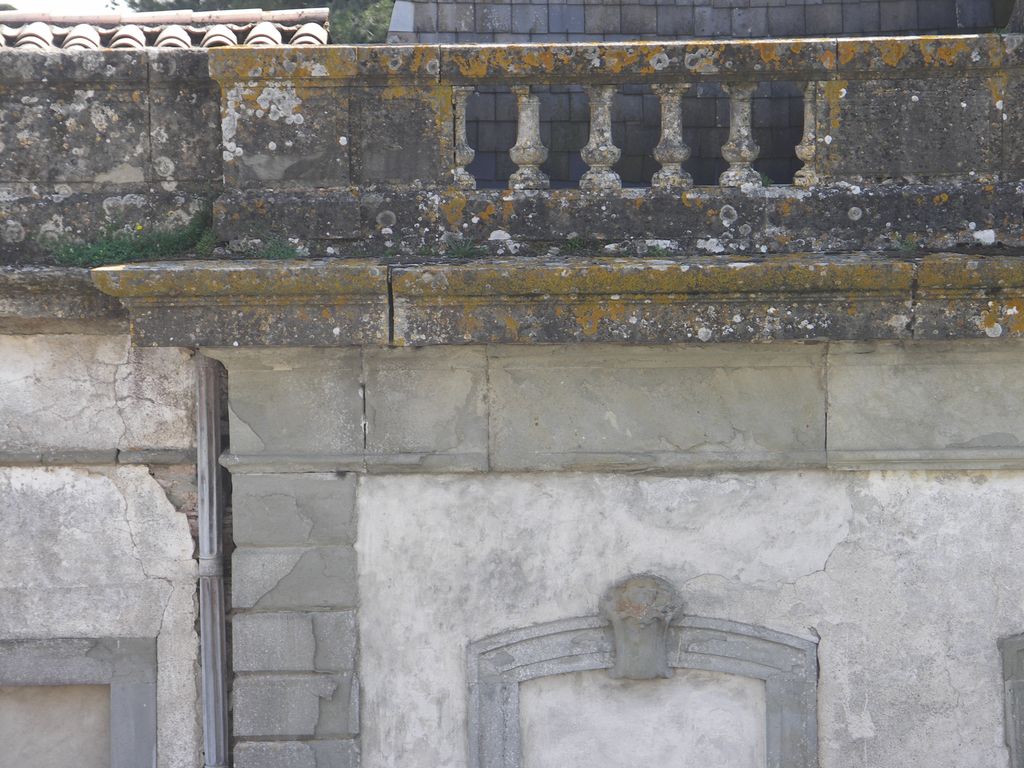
55, 726
693, 718
909, 578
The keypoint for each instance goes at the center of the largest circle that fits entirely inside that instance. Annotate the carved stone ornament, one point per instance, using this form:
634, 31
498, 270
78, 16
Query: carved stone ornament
640, 609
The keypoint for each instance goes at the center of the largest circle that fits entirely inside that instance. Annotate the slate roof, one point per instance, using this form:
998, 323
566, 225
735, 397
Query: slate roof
163, 29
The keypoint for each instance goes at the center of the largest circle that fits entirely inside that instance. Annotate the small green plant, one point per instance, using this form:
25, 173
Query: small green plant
461, 248
275, 249
766, 180
119, 245
905, 244
574, 245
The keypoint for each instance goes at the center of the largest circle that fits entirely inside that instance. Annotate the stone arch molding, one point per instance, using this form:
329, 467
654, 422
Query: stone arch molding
625, 640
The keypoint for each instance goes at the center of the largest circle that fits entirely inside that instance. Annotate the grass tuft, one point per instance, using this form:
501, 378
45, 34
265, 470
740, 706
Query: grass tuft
120, 245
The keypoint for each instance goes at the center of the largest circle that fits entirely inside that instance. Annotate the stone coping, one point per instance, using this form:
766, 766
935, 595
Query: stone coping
798, 59
55, 300
714, 60
536, 300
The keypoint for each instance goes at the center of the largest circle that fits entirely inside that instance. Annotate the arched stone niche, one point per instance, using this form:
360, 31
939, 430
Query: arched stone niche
786, 665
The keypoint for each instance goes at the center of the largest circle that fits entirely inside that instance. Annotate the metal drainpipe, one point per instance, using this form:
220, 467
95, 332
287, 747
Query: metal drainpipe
212, 620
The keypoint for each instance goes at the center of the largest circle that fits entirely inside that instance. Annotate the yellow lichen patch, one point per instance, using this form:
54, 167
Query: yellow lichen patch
847, 53
453, 209
471, 66
590, 315
828, 59
834, 92
769, 53
997, 88
941, 199
619, 59
893, 51
511, 326
486, 213
392, 92
947, 54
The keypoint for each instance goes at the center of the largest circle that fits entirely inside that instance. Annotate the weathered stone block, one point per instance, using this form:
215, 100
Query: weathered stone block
296, 754
323, 641
91, 101
272, 642
294, 577
401, 134
426, 408
925, 404
299, 509
284, 133
672, 407
337, 638
292, 402
295, 705
185, 129
931, 127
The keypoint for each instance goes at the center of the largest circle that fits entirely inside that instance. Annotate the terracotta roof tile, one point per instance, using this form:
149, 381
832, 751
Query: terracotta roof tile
163, 29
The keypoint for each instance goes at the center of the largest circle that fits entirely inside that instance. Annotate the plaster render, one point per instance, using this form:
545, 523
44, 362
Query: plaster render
693, 718
66, 393
853, 557
95, 552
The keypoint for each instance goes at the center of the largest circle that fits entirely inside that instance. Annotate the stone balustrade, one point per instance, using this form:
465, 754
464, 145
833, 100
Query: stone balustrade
909, 145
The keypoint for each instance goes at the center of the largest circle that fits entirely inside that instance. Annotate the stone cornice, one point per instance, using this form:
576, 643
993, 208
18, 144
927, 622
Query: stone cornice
536, 300
54, 300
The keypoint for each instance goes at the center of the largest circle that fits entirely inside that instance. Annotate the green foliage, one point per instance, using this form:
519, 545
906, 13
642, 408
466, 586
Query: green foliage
360, 21
119, 245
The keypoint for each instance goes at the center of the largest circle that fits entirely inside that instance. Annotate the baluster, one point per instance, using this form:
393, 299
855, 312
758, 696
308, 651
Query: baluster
671, 151
806, 150
740, 150
464, 153
528, 152
600, 153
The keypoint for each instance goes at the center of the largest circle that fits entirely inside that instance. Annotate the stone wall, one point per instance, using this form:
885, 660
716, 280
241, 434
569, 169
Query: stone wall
97, 483
394, 506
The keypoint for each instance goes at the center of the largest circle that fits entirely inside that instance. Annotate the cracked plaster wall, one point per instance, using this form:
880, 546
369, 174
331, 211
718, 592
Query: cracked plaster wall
95, 547
92, 392
909, 578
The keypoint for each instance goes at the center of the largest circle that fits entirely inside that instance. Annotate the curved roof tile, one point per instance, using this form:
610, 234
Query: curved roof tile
163, 29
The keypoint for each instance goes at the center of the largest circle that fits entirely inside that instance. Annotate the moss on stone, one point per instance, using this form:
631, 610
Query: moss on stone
137, 242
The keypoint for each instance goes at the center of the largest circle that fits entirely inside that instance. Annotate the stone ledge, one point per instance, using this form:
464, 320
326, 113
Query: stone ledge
54, 300
536, 300
252, 303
